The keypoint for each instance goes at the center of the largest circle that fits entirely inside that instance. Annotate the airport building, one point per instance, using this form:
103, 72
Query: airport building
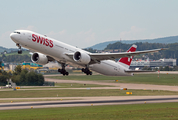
153, 63
2, 66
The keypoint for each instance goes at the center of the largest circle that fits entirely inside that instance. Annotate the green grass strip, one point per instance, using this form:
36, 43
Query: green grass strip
159, 111
80, 93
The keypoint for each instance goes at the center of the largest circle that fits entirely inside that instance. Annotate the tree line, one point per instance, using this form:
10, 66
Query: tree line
15, 58
21, 77
172, 51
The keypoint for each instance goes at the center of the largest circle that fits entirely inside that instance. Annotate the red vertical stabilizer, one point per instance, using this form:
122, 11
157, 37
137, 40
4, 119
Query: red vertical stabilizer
126, 61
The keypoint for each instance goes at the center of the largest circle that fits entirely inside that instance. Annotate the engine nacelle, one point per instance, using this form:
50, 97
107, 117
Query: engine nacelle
81, 57
39, 58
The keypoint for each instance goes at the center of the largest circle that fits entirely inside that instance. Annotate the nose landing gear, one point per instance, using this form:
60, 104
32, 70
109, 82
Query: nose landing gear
20, 50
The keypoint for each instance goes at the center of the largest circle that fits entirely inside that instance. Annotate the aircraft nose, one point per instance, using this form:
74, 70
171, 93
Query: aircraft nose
12, 35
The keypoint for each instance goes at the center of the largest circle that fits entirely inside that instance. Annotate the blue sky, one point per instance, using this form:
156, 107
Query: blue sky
84, 23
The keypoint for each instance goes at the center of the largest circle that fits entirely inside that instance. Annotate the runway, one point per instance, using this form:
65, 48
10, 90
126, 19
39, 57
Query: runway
117, 85
90, 101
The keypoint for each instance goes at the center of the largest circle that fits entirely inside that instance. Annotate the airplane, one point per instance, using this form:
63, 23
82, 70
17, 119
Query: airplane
47, 49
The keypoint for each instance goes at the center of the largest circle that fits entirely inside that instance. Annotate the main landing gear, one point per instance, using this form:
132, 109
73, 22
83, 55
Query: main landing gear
19, 50
86, 71
63, 71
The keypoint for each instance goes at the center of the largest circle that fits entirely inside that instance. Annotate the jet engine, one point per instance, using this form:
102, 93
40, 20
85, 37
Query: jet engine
39, 58
81, 57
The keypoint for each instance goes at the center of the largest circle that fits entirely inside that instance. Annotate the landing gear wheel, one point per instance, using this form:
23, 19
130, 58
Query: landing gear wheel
19, 51
86, 71
90, 73
63, 71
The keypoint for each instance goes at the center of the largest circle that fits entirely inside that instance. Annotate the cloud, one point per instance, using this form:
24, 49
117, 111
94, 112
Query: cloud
29, 27
133, 33
6, 41
80, 39
63, 32
86, 36
153, 35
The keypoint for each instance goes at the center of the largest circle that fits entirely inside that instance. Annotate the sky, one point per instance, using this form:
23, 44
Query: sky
84, 23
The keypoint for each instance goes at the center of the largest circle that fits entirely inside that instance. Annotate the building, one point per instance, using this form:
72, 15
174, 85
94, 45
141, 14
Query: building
2, 66
31, 66
153, 63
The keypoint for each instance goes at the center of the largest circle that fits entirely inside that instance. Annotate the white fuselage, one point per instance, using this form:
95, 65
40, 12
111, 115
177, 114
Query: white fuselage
57, 50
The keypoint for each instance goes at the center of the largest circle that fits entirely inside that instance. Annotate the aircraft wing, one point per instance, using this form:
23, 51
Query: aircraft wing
97, 57
108, 56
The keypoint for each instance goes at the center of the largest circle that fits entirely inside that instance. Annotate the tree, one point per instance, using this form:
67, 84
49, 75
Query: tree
155, 69
3, 56
32, 78
3, 79
40, 79
8, 75
24, 77
17, 70
146, 68
0, 67
166, 68
161, 68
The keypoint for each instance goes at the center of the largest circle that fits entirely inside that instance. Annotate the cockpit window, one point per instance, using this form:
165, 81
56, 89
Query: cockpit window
17, 32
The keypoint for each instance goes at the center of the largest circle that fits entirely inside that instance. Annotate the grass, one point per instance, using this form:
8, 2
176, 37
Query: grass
80, 93
164, 79
159, 111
